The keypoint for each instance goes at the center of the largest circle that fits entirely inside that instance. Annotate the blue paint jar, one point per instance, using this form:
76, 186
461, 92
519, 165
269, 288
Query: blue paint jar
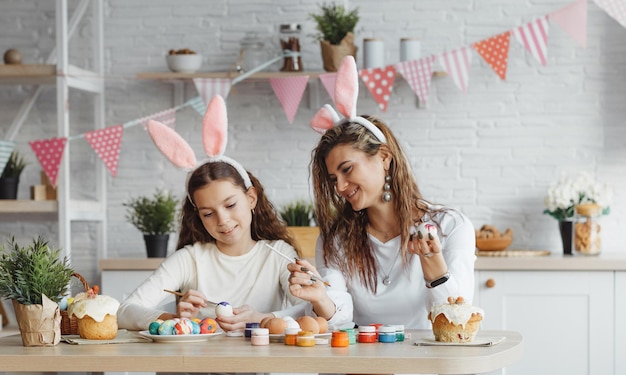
249, 327
387, 334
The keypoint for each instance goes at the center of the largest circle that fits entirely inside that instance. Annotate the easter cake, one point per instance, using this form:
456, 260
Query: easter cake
96, 315
455, 321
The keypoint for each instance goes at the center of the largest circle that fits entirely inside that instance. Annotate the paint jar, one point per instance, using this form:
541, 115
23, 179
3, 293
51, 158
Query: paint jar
387, 334
399, 332
305, 338
248, 331
339, 339
373, 53
377, 325
260, 336
410, 49
291, 336
351, 335
367, 334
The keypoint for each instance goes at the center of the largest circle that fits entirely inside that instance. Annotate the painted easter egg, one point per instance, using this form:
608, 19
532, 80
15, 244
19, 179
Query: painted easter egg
153, 328
426, 228
167, 327
208, 325
183, 327
223, 309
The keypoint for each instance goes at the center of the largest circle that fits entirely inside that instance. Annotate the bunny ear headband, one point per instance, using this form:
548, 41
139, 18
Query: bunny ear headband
214, 138
346, 95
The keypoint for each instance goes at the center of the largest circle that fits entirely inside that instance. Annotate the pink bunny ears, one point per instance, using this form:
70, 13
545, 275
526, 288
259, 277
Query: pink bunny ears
346, 95
214, 138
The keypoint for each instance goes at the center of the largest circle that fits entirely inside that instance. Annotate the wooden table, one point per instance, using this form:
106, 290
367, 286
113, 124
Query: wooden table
234, 354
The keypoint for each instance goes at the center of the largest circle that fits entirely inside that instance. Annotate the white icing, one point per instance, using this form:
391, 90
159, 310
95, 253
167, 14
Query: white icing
97, 308
456, 313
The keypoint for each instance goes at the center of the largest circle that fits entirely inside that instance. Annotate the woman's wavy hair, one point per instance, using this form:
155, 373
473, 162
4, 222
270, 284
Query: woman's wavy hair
342, 228
266, 223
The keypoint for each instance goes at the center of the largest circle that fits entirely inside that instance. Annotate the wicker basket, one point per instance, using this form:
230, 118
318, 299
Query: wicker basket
69, 326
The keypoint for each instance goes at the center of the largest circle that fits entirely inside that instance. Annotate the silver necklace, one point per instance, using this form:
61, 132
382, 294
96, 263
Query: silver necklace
387, 279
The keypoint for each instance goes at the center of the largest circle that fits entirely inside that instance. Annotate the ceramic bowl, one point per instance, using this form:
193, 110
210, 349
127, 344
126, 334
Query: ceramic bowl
184, 63
493, 244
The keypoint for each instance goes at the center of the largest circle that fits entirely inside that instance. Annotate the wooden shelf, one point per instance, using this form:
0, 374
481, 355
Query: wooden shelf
28, 74
21, 206
256, 76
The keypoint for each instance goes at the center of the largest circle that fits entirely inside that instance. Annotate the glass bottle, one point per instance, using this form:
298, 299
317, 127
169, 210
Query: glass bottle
252, 52
289, 40
587, 239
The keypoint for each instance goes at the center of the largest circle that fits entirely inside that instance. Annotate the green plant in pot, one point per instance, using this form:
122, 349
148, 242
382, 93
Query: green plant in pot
10, 178
154, 216
335, 32
298, 215
35, 278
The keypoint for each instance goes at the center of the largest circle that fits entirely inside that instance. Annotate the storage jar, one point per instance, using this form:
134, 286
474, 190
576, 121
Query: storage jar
587, 240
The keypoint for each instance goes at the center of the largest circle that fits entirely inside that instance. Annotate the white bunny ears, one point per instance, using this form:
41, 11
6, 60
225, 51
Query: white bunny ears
214, 138
346, 95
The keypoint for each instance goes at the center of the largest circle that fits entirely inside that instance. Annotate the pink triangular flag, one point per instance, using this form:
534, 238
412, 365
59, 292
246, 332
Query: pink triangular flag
328, 80
379, 82
49, 153
495, 51
209, 87
167, 117
289, 91
615, 9
418, 74
534, 37
106, 143
573, 19
456, 63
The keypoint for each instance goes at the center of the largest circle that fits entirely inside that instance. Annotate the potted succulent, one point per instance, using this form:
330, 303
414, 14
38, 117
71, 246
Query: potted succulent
300, 221
10, 178
335, 32
35, 278
154, 216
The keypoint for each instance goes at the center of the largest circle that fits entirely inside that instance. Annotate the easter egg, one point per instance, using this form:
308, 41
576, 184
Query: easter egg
183, 327
208, 325
167, 327
153, 328
63, 303
195, 326
426, 228
291, 322
224, 309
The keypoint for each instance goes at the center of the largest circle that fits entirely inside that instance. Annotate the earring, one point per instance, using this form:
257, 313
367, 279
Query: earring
386, 189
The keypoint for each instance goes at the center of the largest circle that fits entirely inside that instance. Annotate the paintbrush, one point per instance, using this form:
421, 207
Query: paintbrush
182, 294
314, 277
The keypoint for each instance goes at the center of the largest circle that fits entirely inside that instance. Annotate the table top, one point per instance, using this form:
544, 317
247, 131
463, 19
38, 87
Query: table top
235, 354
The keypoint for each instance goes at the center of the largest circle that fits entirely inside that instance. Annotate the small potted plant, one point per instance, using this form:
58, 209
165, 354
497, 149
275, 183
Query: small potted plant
335, 32
35, 278
154, 217
299, 218
10, 178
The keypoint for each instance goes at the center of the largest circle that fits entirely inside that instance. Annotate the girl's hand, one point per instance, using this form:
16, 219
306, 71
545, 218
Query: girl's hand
190, 304
304, 285
242, 315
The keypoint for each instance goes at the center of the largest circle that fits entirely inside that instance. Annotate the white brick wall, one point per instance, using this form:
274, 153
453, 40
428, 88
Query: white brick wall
491, 152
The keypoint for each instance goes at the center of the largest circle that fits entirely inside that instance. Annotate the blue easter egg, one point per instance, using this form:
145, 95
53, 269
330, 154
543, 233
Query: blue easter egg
63, 303
154, 328
167, 327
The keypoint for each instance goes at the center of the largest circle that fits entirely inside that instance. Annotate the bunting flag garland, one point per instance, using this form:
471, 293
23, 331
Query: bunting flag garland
495, 51
198, 105
328, 80
6, 148
167, 117
106, 143
615, 8
573, 19
534, 37
456, 63
209, 87
289, 91
49, 153
379, 82
418, 73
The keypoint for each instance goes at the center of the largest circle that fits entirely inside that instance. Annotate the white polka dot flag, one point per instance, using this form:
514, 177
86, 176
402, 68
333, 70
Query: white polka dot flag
106, 143
328, 80
6, 147
615, 9
534, 37
573, 19
456, 63
289, 91
495, 51
379, 82
167, 117
209, 87
49, 153
418, 73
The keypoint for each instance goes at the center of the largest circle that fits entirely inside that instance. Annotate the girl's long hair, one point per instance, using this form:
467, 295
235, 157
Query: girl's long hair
343, 229
266, 223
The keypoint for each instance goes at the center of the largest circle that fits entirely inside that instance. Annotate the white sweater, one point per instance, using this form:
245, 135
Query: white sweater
258, 278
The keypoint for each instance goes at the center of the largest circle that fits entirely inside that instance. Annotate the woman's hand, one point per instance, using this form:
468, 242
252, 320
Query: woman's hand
190, 304
242, 315
306, 283
425, 246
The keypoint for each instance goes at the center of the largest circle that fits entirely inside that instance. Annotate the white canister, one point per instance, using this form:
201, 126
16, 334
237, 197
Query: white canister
373, 53
410, 49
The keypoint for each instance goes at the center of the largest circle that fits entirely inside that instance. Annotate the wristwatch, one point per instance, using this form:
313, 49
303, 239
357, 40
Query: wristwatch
438, 281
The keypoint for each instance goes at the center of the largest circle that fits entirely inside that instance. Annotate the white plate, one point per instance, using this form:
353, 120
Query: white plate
478, 341
179, 338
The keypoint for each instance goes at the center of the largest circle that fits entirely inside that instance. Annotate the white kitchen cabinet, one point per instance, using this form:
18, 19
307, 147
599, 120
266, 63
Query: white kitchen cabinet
620, 322
565, 317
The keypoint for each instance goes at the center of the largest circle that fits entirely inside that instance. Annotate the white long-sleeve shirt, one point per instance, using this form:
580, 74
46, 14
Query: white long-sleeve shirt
406, 300
259, 279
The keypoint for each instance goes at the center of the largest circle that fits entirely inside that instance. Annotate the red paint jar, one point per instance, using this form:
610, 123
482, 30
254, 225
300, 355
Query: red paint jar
367, 334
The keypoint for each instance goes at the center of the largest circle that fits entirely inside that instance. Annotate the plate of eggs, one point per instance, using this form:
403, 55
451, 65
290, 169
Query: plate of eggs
181, 330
